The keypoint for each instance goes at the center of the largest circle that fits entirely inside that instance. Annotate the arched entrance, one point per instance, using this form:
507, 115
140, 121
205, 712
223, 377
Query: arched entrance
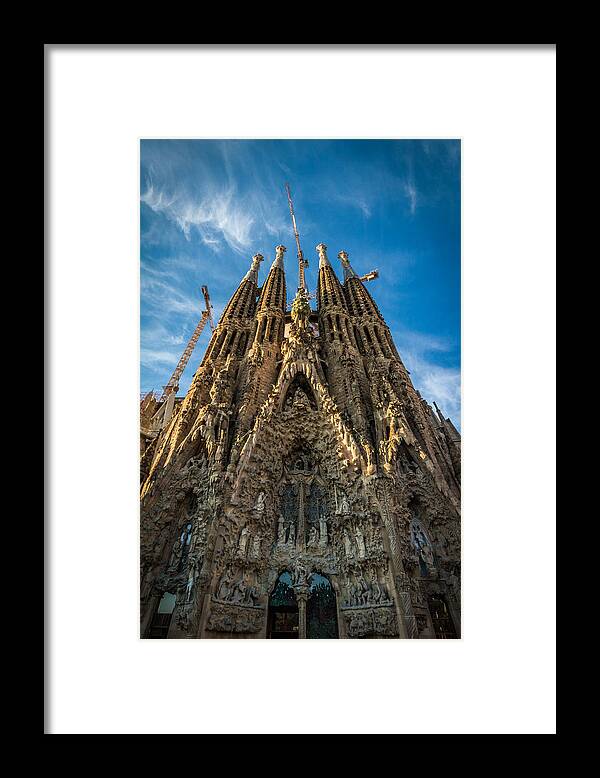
283, 621
315, 618
321, 609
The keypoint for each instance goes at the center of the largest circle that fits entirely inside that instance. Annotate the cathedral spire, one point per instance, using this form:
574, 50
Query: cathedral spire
236, 318
360, 302
243, 300
329, 289
271, 304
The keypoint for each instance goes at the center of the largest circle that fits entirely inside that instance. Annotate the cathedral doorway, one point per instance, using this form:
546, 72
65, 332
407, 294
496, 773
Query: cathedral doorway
321, 610
283, 619
315, 619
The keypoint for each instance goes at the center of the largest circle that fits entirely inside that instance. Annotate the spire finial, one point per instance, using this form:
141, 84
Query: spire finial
279, 252
322, 250
256, 260
348, 272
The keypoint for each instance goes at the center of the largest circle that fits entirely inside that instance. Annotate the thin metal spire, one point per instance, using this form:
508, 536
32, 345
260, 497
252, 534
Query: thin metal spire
302, 263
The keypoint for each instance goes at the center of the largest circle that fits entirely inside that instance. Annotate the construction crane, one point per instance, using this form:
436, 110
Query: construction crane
302, 263
173, 384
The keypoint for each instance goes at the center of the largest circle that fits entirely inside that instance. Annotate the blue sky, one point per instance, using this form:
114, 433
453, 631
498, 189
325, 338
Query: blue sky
208, 206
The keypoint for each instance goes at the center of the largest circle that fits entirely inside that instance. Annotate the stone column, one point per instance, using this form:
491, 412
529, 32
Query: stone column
301, 599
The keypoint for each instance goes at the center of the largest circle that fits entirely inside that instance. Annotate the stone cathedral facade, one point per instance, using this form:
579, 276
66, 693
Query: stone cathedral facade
303, 488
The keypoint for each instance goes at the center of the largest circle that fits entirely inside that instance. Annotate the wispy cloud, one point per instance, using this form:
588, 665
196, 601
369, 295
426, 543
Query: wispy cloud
422, 354
439, 384
410, 192
165, 298
153, 357
218, 219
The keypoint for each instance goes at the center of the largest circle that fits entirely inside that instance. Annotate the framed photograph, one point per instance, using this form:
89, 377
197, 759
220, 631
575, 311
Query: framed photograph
301, 324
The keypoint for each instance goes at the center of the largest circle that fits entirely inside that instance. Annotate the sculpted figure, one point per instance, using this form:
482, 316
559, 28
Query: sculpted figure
354, 593
260, 502
322, 529
291, 539
192, 575
251, 597
313, 536
347, 543
360, 542
224, 588
427, 555
363, 591
238, 591
281, 531
385, 593
256, 547
375, 590
300, 575
243, 542
344, 506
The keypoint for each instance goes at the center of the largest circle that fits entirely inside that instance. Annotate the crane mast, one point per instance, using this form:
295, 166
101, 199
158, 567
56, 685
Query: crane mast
302, 263
173, 384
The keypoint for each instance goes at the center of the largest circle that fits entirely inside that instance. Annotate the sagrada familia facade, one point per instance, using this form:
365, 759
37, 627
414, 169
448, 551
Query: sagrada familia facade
303, 488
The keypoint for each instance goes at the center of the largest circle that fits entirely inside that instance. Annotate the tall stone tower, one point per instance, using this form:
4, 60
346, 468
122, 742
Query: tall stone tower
303, 488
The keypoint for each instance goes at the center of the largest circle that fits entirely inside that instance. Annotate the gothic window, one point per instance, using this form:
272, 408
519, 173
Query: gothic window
316, 515
161, 620
289, 510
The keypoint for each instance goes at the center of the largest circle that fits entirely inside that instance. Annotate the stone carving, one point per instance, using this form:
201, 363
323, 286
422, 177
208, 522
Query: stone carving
362, 591
192, 575
300, 575
347, 543
259, 506
281, 531
256, 542
372, 622
313, 536
343, 504
228, 618
236, 590
243, 542
360, 542
323, 535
